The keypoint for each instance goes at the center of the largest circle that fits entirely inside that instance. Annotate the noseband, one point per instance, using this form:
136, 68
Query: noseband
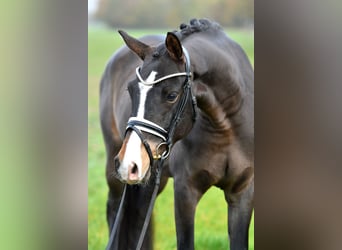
139, 125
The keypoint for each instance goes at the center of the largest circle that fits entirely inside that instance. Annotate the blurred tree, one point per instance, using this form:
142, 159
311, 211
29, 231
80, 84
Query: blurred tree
161, 14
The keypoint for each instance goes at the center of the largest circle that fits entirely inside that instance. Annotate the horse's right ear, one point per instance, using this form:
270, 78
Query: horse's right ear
174, 46
139, 48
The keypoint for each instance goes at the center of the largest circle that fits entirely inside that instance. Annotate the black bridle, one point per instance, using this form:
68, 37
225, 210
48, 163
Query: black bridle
139, 125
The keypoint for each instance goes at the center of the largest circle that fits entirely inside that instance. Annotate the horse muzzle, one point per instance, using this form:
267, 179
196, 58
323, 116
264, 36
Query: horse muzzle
132, 164
130, 173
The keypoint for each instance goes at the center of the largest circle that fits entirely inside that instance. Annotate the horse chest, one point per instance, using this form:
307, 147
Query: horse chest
191, 158
209, 161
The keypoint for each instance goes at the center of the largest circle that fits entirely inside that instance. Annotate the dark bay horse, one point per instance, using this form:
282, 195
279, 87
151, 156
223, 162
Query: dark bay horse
212, 144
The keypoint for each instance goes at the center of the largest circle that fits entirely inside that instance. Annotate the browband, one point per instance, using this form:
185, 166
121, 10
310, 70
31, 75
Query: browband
137, 71
187, 73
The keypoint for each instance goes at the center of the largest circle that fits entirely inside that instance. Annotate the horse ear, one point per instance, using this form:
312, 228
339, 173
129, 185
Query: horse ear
174, 47
139, 48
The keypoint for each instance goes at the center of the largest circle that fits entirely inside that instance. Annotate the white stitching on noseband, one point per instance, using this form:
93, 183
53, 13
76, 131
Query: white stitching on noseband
156, 133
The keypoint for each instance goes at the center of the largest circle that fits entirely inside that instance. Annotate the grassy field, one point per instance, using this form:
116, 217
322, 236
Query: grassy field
211, 215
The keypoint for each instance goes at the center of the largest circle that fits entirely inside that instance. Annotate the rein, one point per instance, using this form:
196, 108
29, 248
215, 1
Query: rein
138, 125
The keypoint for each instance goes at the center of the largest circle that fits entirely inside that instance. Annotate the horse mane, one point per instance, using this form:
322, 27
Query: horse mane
196, 26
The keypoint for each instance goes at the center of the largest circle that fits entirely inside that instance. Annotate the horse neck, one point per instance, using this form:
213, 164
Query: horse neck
223, 94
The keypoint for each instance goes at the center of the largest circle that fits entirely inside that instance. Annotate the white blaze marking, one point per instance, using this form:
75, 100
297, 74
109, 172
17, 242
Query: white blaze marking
143, 94
132, 154
133, 148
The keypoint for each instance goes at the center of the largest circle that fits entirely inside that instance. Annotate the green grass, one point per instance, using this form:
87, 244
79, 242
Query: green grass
211, 215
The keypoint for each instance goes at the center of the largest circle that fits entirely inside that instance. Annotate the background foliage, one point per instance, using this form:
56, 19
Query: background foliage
159, 14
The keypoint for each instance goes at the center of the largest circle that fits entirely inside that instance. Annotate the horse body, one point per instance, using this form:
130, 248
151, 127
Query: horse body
223, 154
218, 149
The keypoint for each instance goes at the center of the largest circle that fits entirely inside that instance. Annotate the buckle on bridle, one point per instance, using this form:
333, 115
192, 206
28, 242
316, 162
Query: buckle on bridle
163, 155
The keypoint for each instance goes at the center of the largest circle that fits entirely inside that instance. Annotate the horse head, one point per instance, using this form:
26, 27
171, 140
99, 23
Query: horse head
163, 107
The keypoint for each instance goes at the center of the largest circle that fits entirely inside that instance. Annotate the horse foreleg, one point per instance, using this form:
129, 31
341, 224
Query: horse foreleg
186, 199
240, 207
115, 191
113, 201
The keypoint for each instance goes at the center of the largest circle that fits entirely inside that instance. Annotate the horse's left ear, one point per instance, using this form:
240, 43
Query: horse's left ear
138, 47
174, 47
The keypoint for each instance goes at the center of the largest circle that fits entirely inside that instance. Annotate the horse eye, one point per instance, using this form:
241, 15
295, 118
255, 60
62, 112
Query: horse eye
172, 97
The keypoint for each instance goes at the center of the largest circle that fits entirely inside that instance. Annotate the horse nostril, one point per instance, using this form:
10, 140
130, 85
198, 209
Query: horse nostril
116, 163
133, 173
134, 169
